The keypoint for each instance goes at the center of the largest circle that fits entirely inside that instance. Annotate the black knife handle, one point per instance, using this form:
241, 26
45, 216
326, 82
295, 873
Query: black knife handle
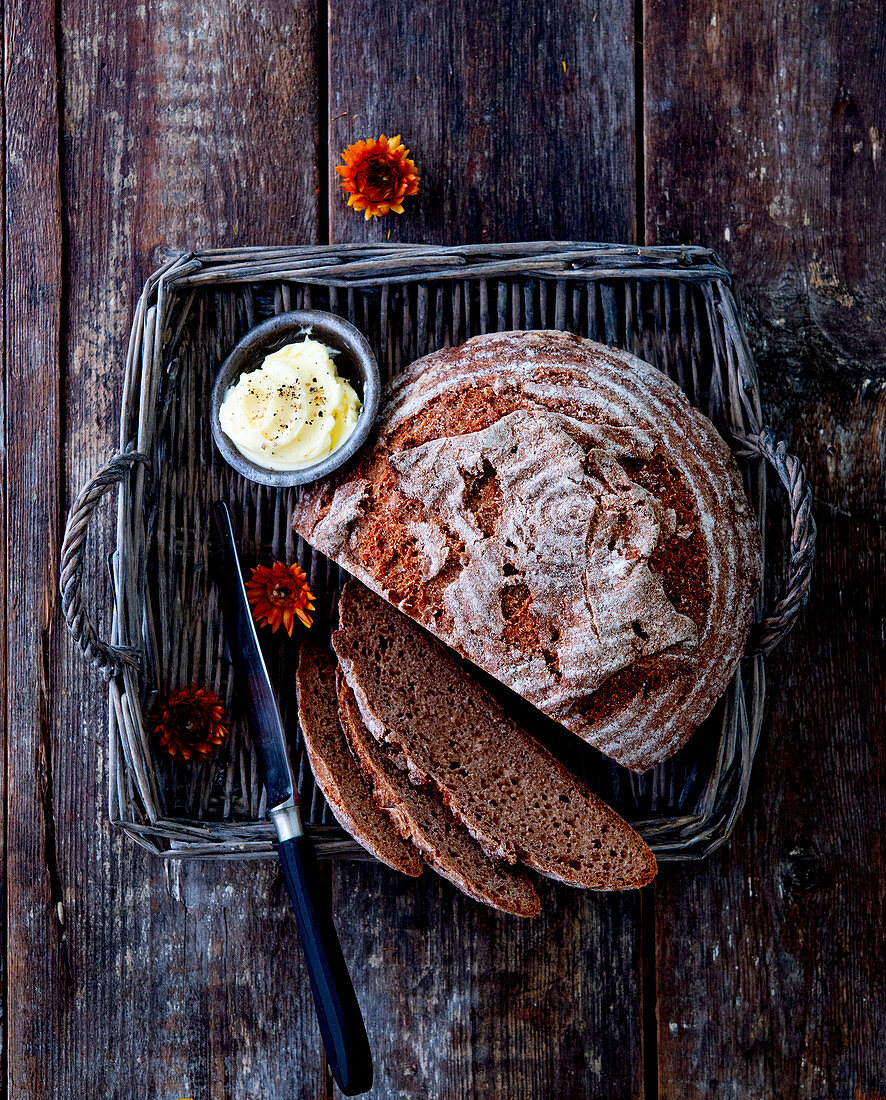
341, 1022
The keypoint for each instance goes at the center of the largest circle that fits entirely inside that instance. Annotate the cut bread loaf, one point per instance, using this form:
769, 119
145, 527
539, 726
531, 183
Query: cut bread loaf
559, 514
338, 774
511, 794
421, 816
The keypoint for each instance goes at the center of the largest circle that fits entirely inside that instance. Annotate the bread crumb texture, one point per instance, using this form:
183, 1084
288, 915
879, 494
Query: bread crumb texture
509, 792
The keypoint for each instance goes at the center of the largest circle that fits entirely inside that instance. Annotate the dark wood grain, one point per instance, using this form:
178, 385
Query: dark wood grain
763, 131
195, 127
4, 977
764, 134
463, 1002
520, 118
36, 948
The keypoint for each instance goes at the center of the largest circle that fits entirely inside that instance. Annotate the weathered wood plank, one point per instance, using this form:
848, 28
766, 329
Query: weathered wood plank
463, 1002
35, 932
196, 127
460, 1001
4, 982
520, 118
763, 131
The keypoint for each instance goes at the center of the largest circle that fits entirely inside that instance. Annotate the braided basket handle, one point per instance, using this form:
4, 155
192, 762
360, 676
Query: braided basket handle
110, 659
779, 622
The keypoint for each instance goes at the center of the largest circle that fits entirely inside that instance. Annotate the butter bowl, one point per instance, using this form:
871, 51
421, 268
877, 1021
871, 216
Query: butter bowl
354, 361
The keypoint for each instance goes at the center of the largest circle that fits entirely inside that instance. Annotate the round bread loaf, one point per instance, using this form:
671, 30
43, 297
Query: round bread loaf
558, 513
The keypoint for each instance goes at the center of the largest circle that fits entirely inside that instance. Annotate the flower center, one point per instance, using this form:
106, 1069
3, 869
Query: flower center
379, 175
282, 594
380, 178
190, 723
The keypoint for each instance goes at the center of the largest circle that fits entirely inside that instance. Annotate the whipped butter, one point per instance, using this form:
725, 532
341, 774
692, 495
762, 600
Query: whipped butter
293, 411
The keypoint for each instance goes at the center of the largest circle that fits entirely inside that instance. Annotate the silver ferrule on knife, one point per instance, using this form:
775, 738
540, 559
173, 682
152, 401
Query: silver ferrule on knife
287, 820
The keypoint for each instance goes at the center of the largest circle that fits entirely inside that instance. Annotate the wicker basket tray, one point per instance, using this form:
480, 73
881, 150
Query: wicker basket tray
670, 306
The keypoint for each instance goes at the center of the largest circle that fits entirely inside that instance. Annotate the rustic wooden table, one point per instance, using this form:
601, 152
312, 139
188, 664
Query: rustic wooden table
757, 129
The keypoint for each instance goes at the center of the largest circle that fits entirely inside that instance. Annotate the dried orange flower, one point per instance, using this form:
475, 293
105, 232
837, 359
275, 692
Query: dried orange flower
190, 723
378, 175
278, 595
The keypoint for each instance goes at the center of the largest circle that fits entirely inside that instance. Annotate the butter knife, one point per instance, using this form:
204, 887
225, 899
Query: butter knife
338, 1013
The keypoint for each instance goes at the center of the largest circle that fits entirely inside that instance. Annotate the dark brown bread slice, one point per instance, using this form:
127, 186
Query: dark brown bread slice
338, 774
422, 817
513, 796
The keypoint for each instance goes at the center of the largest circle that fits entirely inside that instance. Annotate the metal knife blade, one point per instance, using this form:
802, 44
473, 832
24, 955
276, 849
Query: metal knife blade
249, 663
338, 1012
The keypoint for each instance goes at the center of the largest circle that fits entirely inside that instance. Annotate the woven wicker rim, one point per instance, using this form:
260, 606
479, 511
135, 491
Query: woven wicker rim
160, 315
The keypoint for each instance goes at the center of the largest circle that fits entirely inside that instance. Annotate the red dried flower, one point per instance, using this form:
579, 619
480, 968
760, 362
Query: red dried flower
191, 722
378, 176
278, 595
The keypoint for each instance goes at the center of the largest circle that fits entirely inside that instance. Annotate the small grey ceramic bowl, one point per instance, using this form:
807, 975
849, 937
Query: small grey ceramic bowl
355, 362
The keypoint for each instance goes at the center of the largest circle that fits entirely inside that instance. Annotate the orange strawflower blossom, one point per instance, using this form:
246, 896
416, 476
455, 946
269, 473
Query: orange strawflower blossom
278, 595
191, 722
378, 176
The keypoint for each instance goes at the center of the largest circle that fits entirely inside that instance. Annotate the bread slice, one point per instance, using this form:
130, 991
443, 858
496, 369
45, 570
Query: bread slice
422, 817
339, 776
558, 513
511, 794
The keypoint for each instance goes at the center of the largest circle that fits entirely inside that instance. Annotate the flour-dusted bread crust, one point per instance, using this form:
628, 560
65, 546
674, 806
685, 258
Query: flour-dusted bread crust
421, 816
338, 774
559, 514
514, 798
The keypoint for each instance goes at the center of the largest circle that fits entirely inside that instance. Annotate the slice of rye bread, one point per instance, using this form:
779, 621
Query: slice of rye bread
510, 792
421, 816
338, 774
558, 513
